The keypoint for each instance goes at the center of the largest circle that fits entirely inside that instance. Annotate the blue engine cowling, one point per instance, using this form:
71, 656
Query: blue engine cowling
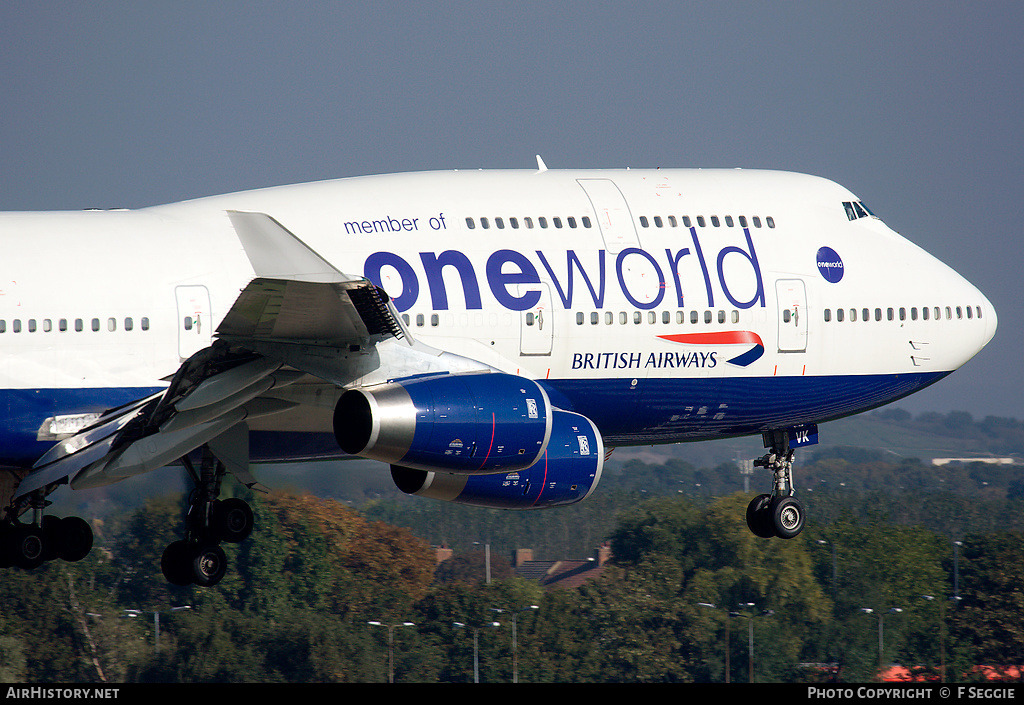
462, 423
567, 472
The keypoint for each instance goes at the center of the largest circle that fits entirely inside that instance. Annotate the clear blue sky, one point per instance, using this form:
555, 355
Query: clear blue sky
915, 106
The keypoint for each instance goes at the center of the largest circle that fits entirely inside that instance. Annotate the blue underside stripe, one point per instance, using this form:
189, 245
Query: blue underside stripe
652, 411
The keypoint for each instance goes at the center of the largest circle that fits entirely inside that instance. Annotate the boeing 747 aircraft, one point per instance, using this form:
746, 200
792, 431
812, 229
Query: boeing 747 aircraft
491, 335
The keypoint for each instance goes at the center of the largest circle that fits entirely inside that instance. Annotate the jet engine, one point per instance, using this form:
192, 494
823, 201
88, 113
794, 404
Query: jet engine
460, 423
566, 472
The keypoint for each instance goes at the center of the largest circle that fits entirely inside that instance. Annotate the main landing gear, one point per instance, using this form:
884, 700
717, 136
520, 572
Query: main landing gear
45, 538
779, 514
198, 558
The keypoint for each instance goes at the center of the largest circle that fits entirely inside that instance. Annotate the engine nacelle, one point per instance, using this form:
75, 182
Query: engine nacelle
461, 423
566, 473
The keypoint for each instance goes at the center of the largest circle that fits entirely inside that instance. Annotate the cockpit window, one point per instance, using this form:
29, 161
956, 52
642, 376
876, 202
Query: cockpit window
857, 209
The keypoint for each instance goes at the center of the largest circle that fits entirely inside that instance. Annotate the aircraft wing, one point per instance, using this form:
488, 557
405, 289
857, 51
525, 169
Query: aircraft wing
298, 316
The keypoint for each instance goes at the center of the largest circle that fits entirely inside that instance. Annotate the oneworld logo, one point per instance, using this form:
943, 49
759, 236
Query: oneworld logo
830, 266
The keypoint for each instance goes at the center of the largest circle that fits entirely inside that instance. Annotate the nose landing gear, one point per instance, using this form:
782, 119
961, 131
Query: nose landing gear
779, 514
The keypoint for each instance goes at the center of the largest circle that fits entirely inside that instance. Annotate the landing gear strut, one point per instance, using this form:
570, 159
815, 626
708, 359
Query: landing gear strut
779, 514
198, 558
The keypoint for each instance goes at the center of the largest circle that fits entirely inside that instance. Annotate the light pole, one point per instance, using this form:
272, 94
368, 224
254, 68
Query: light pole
515, 649
132, 614
835, 567
956, 569
750, 627
391, 644
881, 636
715, 607
942, 635
476, 644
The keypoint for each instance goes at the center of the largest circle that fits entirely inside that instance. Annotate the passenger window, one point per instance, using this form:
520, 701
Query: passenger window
470, 224
144, 322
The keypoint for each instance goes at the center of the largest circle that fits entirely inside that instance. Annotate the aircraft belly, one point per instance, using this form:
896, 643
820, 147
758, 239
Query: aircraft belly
674, 410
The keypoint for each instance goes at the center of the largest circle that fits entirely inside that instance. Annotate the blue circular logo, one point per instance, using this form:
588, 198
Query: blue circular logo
830, 265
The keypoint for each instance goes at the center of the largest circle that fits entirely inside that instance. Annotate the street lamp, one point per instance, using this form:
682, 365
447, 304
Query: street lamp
835, 571
391, 644
715, 607
133, 613
515, 650
881, 638
750, 625
476, 644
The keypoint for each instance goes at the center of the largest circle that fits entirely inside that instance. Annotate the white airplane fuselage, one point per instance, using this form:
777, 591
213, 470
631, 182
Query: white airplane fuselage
664, 305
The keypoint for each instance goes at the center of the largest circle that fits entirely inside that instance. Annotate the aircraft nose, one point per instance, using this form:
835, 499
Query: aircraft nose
990, 318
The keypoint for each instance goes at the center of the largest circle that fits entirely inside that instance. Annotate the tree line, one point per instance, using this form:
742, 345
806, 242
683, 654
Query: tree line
686, 592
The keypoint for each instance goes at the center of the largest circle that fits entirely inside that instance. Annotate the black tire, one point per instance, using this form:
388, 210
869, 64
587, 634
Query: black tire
176, 564
51, 528
787, 515
28, 546
759, 520
232, 520
209, 564
74, 539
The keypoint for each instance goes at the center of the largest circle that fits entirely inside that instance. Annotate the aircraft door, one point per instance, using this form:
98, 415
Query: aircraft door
537, 324
613, 216
195, 324
792, 312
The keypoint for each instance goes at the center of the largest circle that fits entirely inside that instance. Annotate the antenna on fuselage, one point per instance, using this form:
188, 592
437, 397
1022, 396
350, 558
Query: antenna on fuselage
541, 166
